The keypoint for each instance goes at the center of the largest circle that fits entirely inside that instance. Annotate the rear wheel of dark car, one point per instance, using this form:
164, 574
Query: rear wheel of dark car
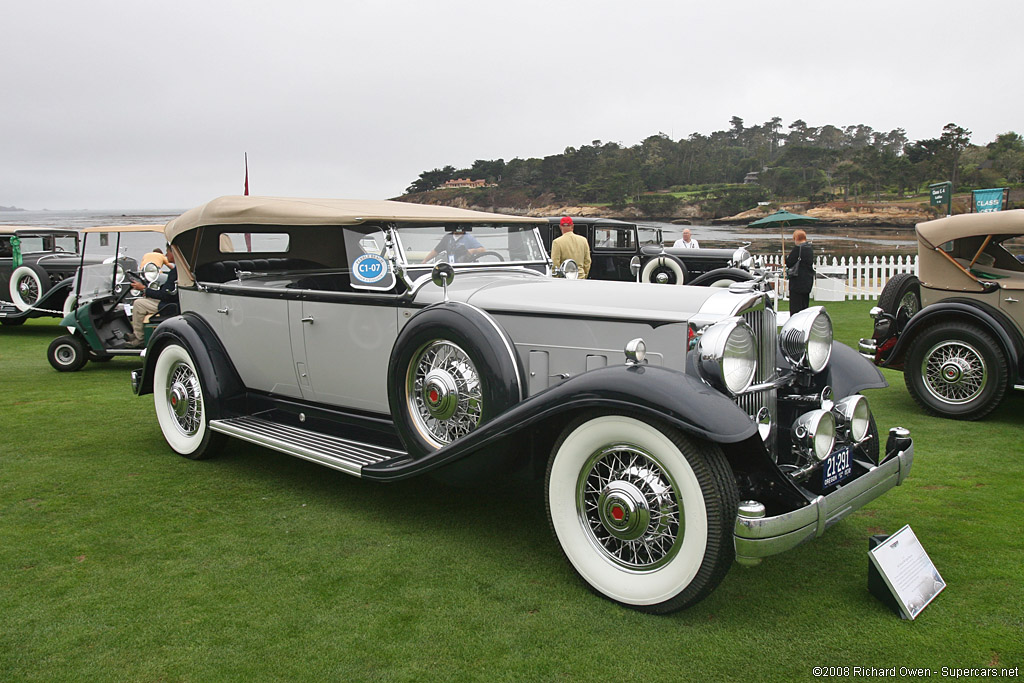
180, 404
452, 369
664, 270
643, 513
67, 353
956, 370
722, 277
901, 297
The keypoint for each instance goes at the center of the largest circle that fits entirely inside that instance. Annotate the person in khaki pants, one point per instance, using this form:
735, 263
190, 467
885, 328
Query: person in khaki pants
154, 300
571, 246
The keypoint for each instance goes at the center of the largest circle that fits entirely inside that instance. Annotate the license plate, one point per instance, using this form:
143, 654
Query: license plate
837, 468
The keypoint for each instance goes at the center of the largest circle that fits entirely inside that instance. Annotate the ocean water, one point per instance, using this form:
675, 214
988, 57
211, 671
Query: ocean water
86, 218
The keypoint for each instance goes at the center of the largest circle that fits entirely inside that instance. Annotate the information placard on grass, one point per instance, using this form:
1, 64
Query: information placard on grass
908, 572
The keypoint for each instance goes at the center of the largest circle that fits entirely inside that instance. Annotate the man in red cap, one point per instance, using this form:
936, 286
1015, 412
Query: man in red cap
571, 246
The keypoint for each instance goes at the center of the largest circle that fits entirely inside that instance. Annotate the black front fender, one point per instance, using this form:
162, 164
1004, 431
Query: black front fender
989, 318
222, 387
652, 391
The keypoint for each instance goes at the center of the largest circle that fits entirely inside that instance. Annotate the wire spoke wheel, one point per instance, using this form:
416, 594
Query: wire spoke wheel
444, 393
184, 399
28, 288
954, 372
628, 504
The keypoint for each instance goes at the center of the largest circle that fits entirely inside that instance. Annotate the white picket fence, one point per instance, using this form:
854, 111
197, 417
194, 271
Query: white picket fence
844, 278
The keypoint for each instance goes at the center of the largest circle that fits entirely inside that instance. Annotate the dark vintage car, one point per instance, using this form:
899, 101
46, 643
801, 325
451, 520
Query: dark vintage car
40, 285
675, 430
616, 245
957, 328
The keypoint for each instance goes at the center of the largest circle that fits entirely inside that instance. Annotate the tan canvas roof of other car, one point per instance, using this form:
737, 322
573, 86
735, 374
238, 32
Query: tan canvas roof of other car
240, 210
934, 233
124, 228
11, 229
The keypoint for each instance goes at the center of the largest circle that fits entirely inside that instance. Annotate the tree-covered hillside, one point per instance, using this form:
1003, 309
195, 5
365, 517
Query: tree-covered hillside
800, 162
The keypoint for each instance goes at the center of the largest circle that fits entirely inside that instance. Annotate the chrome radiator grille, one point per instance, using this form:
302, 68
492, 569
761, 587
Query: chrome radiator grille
762, 321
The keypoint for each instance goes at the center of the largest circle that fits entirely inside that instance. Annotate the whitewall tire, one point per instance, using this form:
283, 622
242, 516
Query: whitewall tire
181, 404
643, 514
26, 288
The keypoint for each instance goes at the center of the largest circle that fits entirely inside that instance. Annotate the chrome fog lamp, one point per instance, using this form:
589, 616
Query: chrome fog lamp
727, 355
570, 271
636, 351
741, 258
806, 339
853, 417
150, 272
815, 432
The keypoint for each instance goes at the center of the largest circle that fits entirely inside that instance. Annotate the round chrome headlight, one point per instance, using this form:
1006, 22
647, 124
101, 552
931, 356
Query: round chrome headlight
570, 270
854, 417
815, 432
727, 355
741, 258
806, 339
150, 272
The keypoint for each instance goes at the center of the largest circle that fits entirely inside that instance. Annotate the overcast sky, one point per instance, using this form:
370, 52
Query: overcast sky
146, 105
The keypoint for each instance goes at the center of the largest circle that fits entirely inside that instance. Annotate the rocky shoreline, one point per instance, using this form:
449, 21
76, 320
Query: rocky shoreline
839, 214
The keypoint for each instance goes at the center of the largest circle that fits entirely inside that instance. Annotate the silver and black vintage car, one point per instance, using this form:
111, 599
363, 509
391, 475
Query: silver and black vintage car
675, 429
956, 329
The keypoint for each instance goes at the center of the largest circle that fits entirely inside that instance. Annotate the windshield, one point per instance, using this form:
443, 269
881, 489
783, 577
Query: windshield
460, 244
97, 281
40, 243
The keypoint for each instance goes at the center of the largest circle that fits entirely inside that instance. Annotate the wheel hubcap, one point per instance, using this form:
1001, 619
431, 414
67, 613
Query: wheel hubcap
628, 506
444, 393
954, 372
909, 304
185, 399
27, 290
65, 355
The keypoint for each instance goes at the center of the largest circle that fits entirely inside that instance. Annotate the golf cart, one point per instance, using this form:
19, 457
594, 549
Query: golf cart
100, 322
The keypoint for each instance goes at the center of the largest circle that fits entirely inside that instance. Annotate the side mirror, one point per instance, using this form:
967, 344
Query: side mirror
442, 275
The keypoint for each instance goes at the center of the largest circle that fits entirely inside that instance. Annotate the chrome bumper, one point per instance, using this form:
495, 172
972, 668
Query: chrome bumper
136, 380
867, 348
758, 537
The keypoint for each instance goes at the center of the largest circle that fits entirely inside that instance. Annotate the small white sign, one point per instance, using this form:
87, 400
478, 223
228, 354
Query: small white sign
908, 571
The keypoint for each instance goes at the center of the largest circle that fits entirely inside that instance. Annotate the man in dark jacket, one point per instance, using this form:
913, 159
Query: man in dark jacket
158, 300
802, 258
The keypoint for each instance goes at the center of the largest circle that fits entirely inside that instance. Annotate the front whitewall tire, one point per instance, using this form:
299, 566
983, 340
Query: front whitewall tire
690, 562
180, 403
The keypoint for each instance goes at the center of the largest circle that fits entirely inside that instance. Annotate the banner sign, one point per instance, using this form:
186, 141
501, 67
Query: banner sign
941, 193
988, 200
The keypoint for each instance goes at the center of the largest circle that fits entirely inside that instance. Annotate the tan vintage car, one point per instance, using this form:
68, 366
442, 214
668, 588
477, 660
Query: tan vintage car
957, 329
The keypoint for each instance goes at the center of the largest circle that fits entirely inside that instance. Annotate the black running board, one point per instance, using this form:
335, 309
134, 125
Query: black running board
331, 451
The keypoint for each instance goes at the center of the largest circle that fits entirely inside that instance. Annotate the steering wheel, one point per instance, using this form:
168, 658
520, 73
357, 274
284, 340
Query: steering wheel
488, 257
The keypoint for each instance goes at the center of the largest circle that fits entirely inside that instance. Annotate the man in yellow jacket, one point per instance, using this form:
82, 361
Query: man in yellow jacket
571, 246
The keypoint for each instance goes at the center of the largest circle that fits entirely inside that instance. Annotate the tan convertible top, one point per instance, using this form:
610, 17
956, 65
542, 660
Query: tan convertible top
238, 210
934, 233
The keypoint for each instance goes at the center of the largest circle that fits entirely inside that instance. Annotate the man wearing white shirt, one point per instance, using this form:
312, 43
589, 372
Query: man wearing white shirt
687, 242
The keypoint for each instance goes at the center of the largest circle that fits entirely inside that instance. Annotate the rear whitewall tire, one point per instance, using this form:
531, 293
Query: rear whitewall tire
703, 491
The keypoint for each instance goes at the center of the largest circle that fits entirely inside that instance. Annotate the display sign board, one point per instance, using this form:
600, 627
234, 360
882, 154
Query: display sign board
907, 571
942, 193
986, 201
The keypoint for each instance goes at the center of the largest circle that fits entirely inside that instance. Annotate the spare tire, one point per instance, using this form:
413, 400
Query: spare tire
452, 369
901, 297
664, 269
26, 286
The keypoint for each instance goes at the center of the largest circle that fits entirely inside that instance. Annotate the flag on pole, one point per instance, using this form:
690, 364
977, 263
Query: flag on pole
246, 174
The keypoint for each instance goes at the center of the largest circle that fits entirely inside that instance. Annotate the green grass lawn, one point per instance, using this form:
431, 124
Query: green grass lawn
122, 561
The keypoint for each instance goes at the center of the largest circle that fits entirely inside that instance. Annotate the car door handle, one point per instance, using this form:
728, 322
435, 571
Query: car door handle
308, 319
223, 310
1011, 300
